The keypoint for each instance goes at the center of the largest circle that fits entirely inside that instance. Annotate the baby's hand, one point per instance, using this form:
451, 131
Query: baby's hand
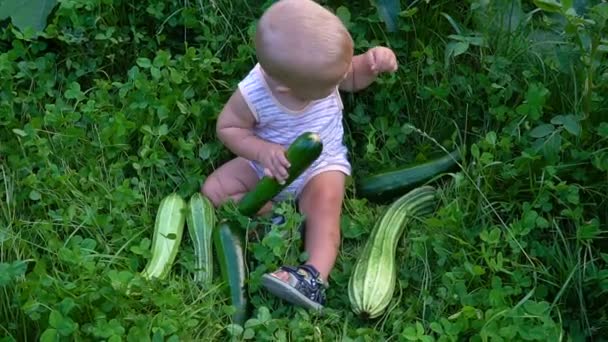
382, 59
275, 162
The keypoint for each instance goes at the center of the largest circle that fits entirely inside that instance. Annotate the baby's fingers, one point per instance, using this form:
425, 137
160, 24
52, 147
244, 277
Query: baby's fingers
273, 174
372, 61
279, 172
389, 62
393, 64
281, 163
268, 173
283, 160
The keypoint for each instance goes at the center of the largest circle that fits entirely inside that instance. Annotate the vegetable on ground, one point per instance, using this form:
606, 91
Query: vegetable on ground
201, 221
371, 285
385, 186
229, 243
168, 231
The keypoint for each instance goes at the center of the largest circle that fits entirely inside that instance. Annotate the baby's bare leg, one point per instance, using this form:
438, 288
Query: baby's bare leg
232, 181
321, 203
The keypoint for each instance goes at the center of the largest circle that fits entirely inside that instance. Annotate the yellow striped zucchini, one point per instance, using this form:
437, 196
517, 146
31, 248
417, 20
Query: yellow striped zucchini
201, 222
168, 231
372, 283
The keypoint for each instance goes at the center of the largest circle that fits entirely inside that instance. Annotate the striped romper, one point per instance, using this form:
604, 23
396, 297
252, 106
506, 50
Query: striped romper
278, 124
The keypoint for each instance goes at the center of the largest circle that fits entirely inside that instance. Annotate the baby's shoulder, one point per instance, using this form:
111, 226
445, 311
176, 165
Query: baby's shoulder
252, 85
255, 93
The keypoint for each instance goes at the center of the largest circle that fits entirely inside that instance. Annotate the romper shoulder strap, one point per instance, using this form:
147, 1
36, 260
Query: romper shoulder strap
255, 93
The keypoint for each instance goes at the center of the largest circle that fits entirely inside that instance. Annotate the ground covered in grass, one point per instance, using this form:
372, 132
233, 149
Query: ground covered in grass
113, 107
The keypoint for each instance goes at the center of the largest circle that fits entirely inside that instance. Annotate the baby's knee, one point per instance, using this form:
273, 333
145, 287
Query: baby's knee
212, 189
324, 201
329, 196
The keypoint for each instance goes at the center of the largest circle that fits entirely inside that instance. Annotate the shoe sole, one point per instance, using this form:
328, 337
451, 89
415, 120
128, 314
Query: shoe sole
288, 293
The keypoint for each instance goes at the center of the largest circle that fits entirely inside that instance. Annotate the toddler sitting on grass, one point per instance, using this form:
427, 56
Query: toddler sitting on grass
305, 56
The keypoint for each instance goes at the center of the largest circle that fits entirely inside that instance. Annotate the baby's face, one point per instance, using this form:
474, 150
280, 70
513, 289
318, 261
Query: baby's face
309, 90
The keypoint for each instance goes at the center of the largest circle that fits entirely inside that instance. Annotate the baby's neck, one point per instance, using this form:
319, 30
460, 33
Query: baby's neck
289, 101
286, 99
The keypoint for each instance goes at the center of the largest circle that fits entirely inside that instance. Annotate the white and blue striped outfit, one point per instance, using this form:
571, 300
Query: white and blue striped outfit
280, 125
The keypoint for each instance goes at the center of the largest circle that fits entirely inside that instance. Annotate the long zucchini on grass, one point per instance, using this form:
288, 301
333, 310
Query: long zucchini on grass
201, 221
372, 282
300, 154
387, 185
168, 231
229, 243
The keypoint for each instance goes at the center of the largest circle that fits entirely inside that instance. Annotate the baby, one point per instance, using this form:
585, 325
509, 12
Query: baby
305, 56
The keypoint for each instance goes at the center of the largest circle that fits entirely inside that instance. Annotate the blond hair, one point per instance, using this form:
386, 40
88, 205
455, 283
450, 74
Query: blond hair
301, 39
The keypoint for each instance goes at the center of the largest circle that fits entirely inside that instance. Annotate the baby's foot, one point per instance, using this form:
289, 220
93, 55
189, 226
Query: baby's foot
300, 286
280, 274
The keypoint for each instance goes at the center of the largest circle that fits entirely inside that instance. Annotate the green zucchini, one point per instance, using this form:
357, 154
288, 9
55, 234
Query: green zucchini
372, 283
388, 185
229, 239
201, 222
300, 154
229, 244
168, 231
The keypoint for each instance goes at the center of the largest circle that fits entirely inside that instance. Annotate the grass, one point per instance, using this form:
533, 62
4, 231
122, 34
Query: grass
116, 106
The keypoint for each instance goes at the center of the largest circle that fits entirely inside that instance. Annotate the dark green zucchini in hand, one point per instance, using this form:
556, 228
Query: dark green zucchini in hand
387, 185
300, 154
229, 244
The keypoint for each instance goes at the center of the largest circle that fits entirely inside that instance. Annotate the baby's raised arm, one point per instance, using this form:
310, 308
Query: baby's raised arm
366, 67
